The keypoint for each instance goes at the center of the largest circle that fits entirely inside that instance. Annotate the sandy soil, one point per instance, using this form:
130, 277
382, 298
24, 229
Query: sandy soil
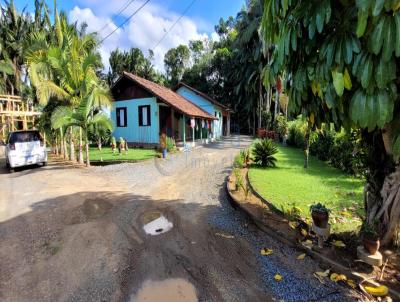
76, 234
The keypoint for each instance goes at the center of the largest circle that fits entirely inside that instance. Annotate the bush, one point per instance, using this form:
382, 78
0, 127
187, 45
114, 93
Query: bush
263, 152
170, 142
281, 126
322, 147
296, 133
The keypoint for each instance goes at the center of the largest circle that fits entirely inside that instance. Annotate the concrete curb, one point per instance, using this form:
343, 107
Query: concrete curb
337, 267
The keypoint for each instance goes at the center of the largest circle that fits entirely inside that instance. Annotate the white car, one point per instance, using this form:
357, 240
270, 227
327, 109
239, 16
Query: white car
25, 148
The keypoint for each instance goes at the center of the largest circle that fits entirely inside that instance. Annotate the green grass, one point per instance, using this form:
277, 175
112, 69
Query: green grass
289, 184
133, 154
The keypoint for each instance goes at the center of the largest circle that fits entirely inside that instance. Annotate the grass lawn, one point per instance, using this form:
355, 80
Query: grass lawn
289, 184
133, 154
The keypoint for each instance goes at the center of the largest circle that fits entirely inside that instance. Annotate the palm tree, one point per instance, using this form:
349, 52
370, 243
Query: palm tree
66, 69
85, 116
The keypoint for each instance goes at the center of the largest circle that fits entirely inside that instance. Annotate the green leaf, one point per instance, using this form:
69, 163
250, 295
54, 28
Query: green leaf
294, 39
357, 106
361, 23
397, 41
376, 40
311, 29
367, 72
338, 54
338, 82
347, 79
348, 50
389, 41
330, 49
319, 19
370, 116
385, 108
377, 7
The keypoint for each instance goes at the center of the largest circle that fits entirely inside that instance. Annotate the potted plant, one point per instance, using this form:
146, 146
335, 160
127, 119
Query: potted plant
320, 215
370, 238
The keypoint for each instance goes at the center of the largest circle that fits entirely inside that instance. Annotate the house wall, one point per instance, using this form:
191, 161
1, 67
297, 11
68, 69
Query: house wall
207, 106
133, 133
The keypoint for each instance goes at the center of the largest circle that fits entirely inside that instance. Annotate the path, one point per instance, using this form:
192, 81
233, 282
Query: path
76, 234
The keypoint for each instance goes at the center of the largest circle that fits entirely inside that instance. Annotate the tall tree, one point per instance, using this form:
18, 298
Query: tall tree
342, 58
176, 60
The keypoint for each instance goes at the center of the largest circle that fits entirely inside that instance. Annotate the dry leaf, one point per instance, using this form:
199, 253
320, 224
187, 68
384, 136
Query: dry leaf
376, 291
308, 243
278, 277
304, 232
292, 224
319, 278
338, 277
301, 257
351, 283
225, 235
266, 252
323, 274
338, 243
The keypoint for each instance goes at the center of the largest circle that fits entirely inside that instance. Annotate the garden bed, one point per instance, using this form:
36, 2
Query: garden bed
338, 259
289, 188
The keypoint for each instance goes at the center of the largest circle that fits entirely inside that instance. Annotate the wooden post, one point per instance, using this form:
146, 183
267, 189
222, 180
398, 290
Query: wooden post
201, 131
184, 129
193, 131
173, 123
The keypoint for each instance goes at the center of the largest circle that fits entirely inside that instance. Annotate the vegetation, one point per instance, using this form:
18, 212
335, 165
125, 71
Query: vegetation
170, 144
263, 151
289, 184
132, 155
319, 207
341, 58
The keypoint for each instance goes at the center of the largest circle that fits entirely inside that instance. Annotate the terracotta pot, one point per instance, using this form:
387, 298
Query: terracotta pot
261, 132
371, 246
320, 219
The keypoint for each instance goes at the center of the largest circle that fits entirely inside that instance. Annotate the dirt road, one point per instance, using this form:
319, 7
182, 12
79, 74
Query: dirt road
76, 234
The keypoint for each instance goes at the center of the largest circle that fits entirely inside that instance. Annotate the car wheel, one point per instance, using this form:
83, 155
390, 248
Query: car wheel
44, 164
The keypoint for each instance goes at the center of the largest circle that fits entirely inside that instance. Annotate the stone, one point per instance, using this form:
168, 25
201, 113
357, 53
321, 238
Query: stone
374, 260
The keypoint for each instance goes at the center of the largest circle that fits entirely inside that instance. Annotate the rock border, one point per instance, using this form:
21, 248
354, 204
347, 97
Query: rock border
282, 237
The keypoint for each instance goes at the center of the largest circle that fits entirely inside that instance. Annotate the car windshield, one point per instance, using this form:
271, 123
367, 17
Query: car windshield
24, 137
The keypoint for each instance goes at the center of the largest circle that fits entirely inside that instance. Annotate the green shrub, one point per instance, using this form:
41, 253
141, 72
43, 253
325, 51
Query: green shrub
281, 126
263, 152
170, 144
322, 147
296, 133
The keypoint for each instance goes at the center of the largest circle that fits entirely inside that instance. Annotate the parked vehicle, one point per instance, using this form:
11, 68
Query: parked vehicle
25, 148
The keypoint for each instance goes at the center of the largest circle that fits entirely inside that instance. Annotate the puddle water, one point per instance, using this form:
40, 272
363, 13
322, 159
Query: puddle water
157, 226
170, 290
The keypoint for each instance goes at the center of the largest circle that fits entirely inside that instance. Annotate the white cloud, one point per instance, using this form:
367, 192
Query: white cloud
144, 30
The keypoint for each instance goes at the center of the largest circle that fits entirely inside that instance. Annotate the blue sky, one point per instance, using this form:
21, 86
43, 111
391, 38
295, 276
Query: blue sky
146, 28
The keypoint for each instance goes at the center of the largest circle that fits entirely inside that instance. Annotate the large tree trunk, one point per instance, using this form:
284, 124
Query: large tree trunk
382, 190
72, 156
80, 146
62, 144
260, 104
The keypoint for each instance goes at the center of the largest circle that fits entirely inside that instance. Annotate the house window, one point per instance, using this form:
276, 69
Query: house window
144, 115
121, 117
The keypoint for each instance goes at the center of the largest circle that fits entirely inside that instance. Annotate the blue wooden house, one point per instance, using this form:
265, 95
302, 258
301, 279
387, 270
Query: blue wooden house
142, 110
221, 125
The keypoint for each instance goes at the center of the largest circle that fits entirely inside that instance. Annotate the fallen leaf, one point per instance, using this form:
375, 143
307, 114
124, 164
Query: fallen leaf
266, 252
301, 257
304, 232
351, 283
319, 278
278, 277
376, 291
323, 274
292, 224
338, 277
338, 243
308, 243
225, 235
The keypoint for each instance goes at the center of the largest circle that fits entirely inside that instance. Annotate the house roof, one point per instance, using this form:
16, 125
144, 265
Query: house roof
169, 97
224, 107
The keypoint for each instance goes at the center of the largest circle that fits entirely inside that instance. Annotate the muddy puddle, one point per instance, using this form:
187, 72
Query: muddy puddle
170, 290
155, 223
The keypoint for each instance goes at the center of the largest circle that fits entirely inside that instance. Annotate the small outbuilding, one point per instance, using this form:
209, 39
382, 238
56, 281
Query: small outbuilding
142, 110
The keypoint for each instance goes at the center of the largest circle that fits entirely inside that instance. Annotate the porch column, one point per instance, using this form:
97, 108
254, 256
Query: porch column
184, 129
193, 131
201, 130
173, 123
228, 124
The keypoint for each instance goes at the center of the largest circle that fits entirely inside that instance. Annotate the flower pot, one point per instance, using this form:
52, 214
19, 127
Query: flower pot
261, 132
371, 245
320, 219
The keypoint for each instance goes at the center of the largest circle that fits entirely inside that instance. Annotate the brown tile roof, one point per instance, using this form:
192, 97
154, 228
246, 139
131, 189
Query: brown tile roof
224, 107
170, 97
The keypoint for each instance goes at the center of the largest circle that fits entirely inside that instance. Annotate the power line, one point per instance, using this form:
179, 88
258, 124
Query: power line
173, 25
127, 19
124, 7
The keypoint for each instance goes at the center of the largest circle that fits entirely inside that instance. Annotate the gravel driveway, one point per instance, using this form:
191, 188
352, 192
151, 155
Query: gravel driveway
76, 234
